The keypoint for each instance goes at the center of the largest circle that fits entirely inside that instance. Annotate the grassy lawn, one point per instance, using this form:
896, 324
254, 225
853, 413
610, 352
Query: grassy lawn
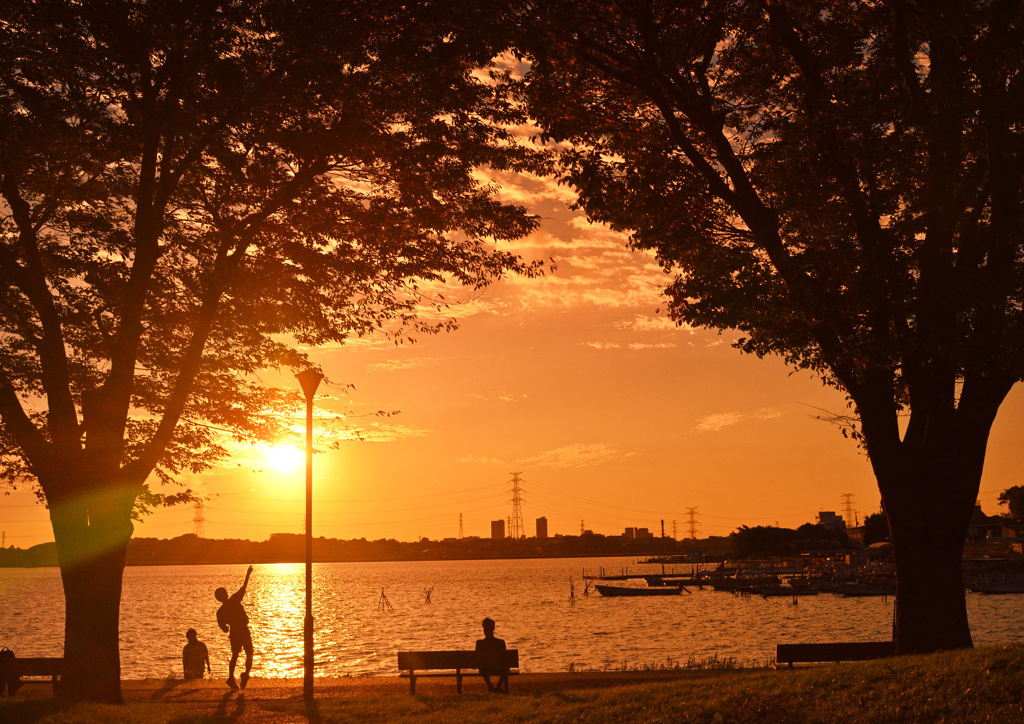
984, 685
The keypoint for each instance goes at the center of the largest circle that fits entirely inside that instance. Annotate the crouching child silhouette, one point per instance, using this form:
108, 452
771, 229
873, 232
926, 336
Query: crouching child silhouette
493, 651
231, 618
194, 656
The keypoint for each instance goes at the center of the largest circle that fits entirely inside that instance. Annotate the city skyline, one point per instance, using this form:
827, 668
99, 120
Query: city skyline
613, 415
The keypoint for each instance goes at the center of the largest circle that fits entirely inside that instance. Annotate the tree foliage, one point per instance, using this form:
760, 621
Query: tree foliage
876, 528
184, 184
192, 191
1013, 499
841, 184
766, 541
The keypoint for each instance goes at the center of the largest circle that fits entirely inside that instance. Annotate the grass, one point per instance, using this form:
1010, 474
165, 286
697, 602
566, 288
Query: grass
983, 685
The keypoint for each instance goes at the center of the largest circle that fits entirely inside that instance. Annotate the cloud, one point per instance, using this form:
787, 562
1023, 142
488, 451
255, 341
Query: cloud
572, 456
507, 397
722, 420
650, 323
651, 345
478, 460
395, 365
386, 432
525, 188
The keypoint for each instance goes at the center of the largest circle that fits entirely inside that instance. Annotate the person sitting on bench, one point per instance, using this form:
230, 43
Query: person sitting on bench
489, 646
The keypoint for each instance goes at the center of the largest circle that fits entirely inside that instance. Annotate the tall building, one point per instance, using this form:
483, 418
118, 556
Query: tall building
542, 527
497, 529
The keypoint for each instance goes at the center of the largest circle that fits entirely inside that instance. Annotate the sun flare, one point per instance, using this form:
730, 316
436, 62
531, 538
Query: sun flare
284, 458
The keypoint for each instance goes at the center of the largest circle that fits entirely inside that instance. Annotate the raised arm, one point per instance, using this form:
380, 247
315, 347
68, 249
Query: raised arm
241, 591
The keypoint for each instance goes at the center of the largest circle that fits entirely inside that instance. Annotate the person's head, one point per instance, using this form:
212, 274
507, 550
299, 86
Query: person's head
488, 626
221, 594
191, 634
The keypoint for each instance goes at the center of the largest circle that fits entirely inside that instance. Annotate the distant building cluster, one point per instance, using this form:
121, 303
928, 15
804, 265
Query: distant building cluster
638, 534
831, 521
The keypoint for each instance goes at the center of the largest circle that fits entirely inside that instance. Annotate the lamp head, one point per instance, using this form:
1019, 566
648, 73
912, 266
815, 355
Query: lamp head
309, 379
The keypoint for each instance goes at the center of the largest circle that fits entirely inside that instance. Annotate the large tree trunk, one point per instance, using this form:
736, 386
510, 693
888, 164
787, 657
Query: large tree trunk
92, 536
929, 483
928, 544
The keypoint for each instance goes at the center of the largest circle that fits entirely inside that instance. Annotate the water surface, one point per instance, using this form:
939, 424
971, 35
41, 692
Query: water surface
529, 599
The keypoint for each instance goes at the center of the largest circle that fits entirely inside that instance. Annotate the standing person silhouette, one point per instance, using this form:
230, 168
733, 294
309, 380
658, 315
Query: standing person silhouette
493, 648
231, 617
194, 656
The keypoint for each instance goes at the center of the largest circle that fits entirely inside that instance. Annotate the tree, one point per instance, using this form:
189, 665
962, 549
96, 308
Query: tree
842, 184
191, 190
876, 528
1013, 498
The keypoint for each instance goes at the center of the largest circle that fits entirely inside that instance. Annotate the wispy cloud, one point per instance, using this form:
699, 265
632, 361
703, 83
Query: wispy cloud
395, 365
508, 397
387, 432
651, 345
572, 456
651, 323
722, 420
478, 460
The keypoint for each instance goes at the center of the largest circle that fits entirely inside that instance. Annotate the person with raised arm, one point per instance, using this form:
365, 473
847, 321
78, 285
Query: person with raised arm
233, 620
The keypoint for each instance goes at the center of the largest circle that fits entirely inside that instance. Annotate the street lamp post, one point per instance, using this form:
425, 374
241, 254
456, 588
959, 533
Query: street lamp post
310, 380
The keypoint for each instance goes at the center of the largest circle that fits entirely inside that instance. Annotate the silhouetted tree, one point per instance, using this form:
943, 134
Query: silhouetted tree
192, 188
1013, 498
876, 528
840, 182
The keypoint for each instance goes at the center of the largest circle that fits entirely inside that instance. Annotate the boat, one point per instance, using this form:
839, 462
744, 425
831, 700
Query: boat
996, 586
629, 591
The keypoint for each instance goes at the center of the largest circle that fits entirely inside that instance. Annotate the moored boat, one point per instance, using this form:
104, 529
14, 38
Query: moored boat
630, 591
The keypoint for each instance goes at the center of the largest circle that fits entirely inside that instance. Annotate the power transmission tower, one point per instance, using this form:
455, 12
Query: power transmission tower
516, 529
460, 526
674, 536
198, 521
581, 527
848, 498
692, 515
3, 539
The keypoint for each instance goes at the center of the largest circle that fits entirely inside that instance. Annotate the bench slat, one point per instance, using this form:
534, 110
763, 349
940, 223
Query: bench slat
35, 666
427, 660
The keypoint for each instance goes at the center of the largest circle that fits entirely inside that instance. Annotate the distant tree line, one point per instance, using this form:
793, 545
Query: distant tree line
189, 549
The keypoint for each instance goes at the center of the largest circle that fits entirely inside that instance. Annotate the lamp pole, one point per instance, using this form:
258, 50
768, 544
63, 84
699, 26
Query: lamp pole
310, 380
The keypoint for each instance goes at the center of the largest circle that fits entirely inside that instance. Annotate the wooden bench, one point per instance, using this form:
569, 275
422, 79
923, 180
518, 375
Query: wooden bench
454, 662
836, 652
13, 669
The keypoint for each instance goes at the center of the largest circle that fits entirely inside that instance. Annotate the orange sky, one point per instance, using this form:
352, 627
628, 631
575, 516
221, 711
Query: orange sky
612, 416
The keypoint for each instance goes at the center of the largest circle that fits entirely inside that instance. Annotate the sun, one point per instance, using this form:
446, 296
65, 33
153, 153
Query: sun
284, 458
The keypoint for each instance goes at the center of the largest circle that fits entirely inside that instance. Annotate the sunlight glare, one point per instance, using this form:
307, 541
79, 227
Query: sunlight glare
284, 458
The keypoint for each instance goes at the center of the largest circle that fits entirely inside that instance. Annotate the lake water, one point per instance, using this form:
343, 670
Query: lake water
529, 599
